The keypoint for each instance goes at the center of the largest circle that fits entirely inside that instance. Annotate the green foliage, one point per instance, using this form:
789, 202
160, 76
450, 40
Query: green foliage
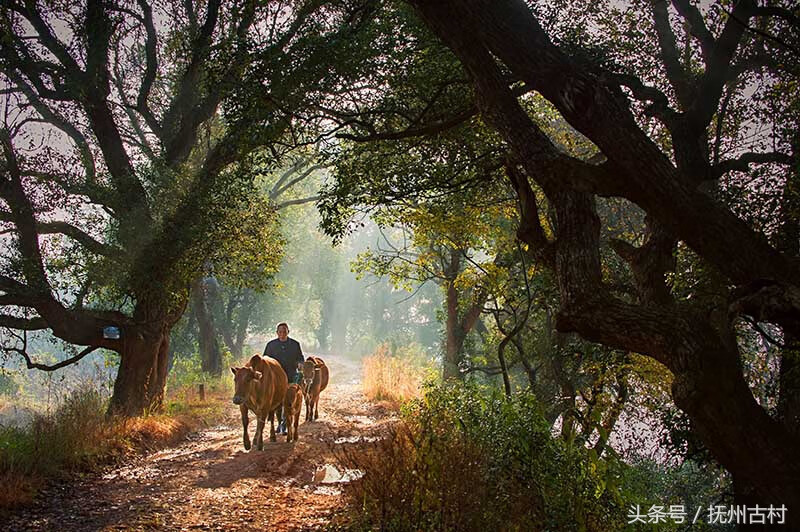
689, 484
8, 383
186, 372
473, 460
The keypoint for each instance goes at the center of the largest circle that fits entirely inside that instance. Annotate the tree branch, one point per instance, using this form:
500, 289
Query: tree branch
697, 27
660, 104
22, 324
80, 236
57, 120
277, 190
44, 367
709, 90
150, 71
431, 128
676, 74
743, 162
22, 212
299, 201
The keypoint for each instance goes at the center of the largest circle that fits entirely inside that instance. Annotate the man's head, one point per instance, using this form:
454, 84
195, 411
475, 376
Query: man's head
283, 332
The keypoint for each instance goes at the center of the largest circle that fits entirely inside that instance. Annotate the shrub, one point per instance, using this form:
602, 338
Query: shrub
468, 459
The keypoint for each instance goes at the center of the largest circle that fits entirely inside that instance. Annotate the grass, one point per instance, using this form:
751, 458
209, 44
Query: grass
391, 379
78, 437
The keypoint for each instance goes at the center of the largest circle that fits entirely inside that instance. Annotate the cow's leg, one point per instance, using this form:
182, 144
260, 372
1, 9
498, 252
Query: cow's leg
272, 426
246, 437
296, 423
289, 416
316, 407
260, 433
308, 407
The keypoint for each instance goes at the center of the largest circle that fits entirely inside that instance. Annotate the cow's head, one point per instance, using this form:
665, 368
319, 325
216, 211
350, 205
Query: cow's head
309, 367
242, 378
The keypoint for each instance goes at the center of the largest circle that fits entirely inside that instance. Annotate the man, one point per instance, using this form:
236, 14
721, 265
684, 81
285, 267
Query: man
288, 353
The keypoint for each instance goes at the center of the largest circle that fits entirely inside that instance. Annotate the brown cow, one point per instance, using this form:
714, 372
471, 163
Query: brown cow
260, 386
315, 379
292, 405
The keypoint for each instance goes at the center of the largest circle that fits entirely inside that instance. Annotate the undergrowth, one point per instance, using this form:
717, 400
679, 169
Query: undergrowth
465, 458
77, 436
393, 377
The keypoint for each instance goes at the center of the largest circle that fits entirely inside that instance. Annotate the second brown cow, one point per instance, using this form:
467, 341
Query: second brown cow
315, 379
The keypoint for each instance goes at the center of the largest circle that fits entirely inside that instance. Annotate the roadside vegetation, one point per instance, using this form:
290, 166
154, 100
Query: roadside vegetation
394, 375
465, 457
76, 436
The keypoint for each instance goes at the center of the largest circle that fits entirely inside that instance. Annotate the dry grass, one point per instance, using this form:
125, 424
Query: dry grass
18, 489
391, 379
78, 436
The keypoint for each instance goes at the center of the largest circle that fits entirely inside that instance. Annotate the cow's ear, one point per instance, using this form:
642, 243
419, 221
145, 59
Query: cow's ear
233, 370
257, 375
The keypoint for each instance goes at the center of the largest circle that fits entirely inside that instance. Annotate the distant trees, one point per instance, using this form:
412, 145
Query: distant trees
442, 247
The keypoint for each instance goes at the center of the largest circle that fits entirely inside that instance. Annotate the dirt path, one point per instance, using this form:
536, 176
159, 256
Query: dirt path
211, 483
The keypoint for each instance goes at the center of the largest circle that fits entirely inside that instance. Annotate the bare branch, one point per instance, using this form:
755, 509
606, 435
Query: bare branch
697, 27
299, 201
743, 162
44, 367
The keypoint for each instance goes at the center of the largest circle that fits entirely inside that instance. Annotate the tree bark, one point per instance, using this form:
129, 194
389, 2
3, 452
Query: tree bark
454, 341
142, 376
210, 353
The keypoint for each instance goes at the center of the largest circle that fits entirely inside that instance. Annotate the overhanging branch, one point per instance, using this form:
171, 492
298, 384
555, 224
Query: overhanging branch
22, 324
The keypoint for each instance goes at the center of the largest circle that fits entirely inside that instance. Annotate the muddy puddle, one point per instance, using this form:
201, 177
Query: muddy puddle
330, 474
356, 439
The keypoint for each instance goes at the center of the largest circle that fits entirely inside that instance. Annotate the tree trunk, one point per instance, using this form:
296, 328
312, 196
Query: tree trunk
323, 332
210, 353
503, 366
788, 237
789, 382
709, 385
457, 325
454, 341
141, 380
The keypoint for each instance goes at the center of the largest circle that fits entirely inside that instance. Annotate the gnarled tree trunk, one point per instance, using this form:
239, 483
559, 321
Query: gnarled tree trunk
142, 376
